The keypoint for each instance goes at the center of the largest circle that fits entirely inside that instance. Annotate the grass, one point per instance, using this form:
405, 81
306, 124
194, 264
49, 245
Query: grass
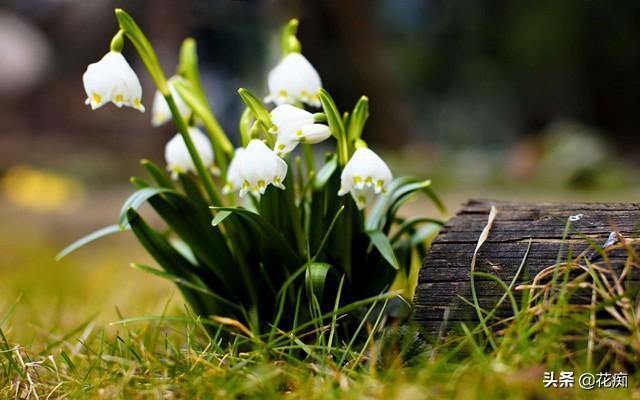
61, 337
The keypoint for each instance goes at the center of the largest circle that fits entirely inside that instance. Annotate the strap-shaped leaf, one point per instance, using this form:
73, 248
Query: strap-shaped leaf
381, 242
222, 147
333, 115
220, 216
383, 203
276, 242
316, 279
100, 233
170, 260
410, 224
358, 118
144, 48
256, 106
158, 174
192, 191
398, 193
324, 174
182, 282
137, 199
191, 224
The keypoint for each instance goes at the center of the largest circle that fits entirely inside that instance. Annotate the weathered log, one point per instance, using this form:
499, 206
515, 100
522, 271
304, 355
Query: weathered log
444, 277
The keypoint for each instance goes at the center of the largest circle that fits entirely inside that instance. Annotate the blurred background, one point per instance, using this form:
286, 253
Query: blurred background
500, 99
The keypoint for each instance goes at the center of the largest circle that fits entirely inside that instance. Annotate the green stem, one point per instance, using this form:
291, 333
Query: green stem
294, 213
117, 43
217, 136
343, 146
205, 175
309, 158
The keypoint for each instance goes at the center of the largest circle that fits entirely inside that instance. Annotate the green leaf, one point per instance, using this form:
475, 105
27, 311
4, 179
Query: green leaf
397, 194
246, 120
427, 232
170, 260
182, 282
358, 119
222, 147
335, 125
137, 199
276, 242
333, 115
324, 174
191, 223
220, 216
188, 65
100, 233
411, 223
328, 232
435, 199
256, 106
315, 279
381, 242
159, 175
184, 249
192, 190
144, 48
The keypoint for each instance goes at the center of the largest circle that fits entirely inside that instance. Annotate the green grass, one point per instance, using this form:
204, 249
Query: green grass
60, 338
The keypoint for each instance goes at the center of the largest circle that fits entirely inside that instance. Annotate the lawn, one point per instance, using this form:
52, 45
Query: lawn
61, 338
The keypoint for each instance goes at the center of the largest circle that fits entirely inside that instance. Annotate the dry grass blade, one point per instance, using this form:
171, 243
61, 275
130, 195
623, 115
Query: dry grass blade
234, 323
484, 235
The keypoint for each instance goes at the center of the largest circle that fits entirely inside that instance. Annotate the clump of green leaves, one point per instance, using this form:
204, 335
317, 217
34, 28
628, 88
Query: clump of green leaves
274, 259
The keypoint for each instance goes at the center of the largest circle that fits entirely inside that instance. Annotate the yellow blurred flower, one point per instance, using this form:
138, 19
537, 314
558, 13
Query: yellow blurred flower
40, 190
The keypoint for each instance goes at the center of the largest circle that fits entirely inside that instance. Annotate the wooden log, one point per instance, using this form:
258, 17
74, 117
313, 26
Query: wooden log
444, 277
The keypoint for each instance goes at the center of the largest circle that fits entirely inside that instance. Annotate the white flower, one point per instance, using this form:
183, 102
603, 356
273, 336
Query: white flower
234, 180
112, 80
364, 176
160, 112
294, 125
294, 80
258, 167
177, 155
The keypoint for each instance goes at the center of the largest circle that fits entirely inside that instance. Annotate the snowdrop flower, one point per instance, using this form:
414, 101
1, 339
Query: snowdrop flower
177, 155
234, 180
258, 167
160, 112
294, 125
364, 176
294, 80
112, 80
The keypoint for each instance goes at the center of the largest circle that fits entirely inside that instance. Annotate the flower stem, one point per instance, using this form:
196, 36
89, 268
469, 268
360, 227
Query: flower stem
209, 185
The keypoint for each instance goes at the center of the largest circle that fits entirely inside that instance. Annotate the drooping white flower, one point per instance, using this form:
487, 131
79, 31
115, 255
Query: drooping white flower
364, 176
294, 125
234, 180
294, 80
258, 167
177, 155
112, 80
160, 112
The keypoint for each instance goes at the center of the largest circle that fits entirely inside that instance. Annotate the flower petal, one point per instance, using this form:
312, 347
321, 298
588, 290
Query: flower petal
294, 80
